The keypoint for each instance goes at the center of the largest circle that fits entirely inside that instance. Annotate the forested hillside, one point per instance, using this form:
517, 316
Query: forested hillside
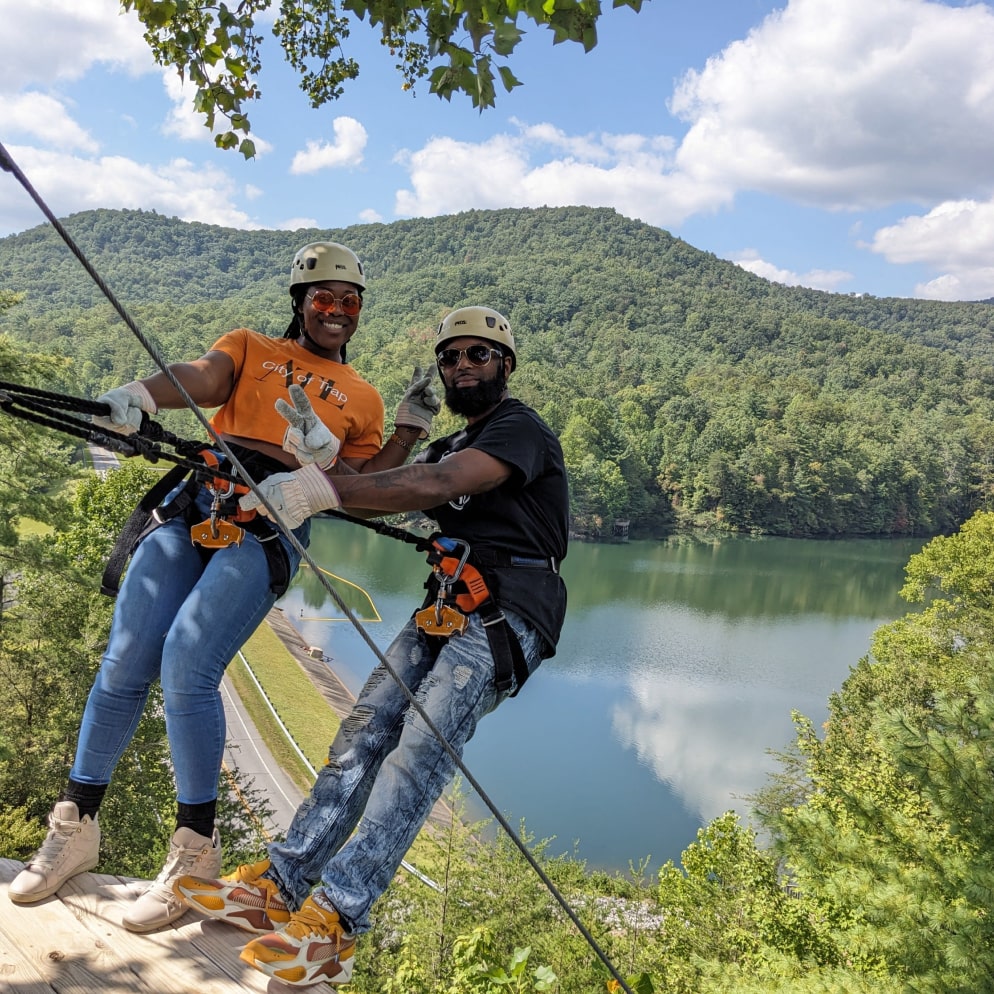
686, 391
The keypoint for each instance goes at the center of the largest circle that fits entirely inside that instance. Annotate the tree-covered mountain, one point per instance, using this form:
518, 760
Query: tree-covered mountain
686, 390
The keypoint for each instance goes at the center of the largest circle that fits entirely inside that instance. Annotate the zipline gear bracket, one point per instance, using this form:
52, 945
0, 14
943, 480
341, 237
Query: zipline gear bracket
219, 531
461, 589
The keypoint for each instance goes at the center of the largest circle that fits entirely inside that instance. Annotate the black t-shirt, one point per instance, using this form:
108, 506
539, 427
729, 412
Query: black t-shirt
526, 517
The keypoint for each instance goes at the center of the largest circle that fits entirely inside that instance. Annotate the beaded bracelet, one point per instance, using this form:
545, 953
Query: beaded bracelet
397, 440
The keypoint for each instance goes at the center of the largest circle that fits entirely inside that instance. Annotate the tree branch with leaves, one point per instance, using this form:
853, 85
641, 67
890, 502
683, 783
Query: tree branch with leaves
463, 46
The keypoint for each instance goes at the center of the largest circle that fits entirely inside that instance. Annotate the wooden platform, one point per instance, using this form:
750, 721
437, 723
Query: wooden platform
74, 943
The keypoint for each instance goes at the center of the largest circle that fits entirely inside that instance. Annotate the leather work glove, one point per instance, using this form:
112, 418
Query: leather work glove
126, 406
307, 437
295, 496
420, 403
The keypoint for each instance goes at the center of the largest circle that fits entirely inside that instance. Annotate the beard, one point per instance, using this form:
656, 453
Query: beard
473, 401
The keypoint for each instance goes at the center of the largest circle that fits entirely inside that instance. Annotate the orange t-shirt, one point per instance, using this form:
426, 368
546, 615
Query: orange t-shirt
264, 369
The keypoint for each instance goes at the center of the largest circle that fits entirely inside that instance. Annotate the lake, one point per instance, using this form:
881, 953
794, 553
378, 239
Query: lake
677, 672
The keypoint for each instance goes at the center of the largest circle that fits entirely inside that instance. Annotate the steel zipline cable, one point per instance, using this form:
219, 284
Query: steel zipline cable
9, 165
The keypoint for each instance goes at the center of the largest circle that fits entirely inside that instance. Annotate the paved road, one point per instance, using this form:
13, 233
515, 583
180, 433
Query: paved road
246, 752
103, 460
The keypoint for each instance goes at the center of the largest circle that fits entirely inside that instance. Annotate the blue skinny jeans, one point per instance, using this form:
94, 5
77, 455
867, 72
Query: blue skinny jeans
179, 622
386, 767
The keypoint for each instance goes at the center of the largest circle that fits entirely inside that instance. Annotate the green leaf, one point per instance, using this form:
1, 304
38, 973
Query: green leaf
506, 37
508, 78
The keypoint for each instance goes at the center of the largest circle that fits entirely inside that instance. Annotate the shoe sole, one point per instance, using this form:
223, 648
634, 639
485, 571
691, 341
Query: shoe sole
299, 976
35, 897
142, 927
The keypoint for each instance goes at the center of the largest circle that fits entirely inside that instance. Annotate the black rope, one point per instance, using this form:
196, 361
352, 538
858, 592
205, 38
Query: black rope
9, 165
36, 406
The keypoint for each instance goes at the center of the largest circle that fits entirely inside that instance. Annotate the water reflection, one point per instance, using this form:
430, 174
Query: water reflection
678, 669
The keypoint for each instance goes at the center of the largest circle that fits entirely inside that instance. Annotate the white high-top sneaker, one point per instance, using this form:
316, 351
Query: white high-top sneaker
190, 854
72, 846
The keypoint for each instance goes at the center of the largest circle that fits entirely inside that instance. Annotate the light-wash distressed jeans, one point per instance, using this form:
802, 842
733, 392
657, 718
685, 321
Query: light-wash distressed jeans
388, 768
179, 622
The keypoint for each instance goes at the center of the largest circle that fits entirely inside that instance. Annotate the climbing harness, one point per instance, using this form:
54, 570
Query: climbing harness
456, 589
25, 403
225, 526
220, 530
460, 589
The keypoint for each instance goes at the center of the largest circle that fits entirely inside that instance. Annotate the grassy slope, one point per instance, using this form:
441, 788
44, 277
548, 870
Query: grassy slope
310, 720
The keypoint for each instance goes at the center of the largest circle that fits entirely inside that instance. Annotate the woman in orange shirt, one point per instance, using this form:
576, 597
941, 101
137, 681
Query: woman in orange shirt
183, 612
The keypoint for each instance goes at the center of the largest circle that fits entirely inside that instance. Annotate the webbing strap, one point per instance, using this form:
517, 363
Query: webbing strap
509, 660
138, 522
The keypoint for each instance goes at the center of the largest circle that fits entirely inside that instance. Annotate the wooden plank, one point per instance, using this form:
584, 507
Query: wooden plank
17, 974
166, 960
72, 960
75, 941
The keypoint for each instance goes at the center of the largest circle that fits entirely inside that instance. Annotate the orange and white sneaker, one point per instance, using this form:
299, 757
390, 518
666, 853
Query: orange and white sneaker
313, 948
244, 898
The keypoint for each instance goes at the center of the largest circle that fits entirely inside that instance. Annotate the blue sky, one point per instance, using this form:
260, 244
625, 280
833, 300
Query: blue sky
846, 145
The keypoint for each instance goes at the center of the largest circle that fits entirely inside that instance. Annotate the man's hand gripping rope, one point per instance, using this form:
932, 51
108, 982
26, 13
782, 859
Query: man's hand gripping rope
294, 496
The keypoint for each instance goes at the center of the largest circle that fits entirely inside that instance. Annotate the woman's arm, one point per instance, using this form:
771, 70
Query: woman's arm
208, 380
395, 452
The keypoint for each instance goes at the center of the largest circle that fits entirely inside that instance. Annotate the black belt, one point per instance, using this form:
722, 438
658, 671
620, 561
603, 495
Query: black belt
504, 647
492, 558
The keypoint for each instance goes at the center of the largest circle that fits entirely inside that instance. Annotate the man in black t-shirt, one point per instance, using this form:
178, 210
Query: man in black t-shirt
498, 489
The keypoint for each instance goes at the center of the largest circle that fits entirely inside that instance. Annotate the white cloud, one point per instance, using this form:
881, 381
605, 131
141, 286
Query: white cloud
183, 121
627, 172
956, 239
296, 223
49, 41
187, 124
39, 116
968, 284
69, 184
346, 150
710, 749
847, 104
370, 216
816, 279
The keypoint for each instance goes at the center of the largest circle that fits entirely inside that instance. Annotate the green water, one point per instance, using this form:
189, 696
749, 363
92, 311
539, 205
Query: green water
678, 669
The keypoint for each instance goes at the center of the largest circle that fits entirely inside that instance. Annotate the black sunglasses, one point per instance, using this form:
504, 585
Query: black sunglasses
478, 355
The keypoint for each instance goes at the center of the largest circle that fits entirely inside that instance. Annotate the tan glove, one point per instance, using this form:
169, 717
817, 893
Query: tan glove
307, 437
294, 496
420, 403
126, 405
